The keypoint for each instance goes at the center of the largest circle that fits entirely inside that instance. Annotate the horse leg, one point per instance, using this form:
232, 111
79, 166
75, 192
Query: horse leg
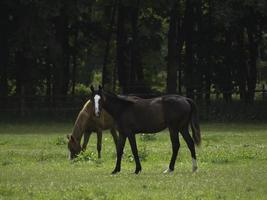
86, 137
175, 148
99, 142
120, 147
190, 143
132, 140
114, 136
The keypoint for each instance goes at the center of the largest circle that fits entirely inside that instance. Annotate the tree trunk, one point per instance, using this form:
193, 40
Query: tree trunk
122, 67
62, 64
226, 71
253, 53
172, 62
74, 69
4, 56
199, 54
241, 65
189, 54
19, 65
74, 60
107, 73
136, 74
66, 59
208, 69
48, 84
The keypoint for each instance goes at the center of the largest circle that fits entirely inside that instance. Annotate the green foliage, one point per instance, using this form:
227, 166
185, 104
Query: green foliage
81, 89
96, 78
50, 46
86, 156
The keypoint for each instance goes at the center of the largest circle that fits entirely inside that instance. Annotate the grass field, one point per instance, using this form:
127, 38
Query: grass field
232, 165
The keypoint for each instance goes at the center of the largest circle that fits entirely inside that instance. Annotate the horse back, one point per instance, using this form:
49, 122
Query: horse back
144, 115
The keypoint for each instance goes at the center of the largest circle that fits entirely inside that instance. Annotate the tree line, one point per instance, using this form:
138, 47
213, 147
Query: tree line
174, 46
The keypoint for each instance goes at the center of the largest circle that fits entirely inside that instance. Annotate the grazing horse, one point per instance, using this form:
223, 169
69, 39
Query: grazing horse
136, 115
85, 124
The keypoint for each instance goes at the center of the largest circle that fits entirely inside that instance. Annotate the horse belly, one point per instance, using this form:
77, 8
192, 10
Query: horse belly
149, 129
150, 120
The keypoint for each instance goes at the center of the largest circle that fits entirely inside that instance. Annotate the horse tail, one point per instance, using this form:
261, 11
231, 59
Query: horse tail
194, 122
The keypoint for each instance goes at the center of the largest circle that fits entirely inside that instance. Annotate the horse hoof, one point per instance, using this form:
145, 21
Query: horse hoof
137, 171
168, 171
115, 172
194, 169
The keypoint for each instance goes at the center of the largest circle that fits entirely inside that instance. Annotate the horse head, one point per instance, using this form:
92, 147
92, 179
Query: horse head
74, 147
97, 98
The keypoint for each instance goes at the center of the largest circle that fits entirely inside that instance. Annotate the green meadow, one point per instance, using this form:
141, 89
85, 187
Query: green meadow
34, 165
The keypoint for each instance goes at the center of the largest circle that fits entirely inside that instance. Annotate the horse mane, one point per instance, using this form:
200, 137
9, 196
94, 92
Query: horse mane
122, 98
83, 115
87, 105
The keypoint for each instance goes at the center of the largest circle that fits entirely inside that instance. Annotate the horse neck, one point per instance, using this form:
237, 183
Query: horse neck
78, 128
88, 107
113, 105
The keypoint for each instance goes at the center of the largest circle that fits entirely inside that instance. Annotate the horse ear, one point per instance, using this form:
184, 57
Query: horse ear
100, 88
68, 136
73, 139
92, 88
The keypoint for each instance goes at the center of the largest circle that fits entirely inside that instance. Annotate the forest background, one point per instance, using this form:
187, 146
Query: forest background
209, 50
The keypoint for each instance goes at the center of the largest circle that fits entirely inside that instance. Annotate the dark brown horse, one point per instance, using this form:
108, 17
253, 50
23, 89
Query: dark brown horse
85, 124
136, 115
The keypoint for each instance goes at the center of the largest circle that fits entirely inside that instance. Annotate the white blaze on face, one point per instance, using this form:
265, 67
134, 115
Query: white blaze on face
96, 99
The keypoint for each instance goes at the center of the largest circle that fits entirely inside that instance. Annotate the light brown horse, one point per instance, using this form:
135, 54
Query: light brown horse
85, 124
